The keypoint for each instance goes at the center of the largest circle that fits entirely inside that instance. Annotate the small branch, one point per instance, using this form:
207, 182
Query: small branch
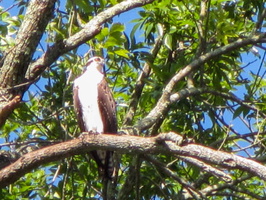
240, 136
239, 101
184, 93
219, 187
196, 91
201, 25
164, 169
9, 8
207, 168
260, 21
135, 96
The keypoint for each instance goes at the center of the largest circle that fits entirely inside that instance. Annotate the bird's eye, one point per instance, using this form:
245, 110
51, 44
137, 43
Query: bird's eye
97, 59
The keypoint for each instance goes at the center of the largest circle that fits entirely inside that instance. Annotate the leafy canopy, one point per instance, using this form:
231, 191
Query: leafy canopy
225, 111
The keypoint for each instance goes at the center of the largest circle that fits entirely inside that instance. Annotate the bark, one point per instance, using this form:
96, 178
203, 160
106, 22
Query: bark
165, 143
18, 57
90, 30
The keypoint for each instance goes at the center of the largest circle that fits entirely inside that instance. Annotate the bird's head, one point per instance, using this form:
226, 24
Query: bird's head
95, 63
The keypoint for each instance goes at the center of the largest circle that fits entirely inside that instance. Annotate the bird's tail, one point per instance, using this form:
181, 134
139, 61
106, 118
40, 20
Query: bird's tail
107, 168
105, 162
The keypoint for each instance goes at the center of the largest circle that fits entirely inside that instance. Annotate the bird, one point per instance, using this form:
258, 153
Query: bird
95, 108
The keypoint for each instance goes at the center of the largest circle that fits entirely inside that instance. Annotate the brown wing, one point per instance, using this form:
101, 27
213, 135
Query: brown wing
78, 109
107, 107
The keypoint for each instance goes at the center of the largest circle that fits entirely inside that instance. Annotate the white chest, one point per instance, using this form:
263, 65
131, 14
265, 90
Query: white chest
88, 97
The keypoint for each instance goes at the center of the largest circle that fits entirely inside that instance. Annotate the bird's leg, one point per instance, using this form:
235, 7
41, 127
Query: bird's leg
93, 132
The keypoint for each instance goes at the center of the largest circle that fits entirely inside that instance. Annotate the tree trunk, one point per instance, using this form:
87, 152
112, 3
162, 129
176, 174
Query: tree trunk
17, 58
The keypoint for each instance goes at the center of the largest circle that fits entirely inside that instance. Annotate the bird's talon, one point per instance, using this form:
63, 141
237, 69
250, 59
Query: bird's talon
121, 133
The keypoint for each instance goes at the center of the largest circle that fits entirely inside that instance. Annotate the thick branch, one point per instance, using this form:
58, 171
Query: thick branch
92, 28
219, 158
17, 59
126, 144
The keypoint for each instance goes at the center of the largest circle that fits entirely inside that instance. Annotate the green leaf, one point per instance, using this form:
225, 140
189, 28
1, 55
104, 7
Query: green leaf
238, 112
117, 27
122, 52
168, 41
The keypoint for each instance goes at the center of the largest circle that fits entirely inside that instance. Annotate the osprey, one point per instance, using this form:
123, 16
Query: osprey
96, 110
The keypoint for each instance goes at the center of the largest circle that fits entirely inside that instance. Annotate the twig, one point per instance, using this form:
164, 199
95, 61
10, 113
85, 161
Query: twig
208, 168
9, 8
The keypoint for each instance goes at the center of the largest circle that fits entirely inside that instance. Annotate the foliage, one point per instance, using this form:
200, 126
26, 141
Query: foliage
214, 118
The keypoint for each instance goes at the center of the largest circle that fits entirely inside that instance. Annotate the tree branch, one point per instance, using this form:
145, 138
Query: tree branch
126, 144
135, 96
259, 23
196, 91
219, 187
164, 169
164, 102
90, 30
16, 60
208, 168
